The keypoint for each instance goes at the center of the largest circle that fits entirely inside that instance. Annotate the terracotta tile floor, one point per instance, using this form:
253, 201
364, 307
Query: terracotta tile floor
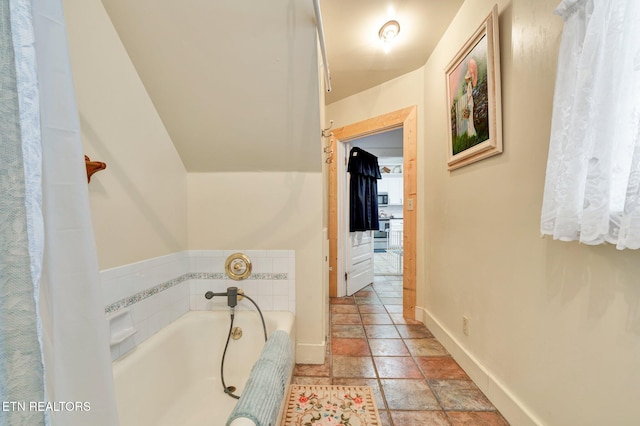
415, 380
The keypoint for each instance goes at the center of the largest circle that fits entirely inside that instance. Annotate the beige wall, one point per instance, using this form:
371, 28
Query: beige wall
139, 202
277, 210
555, 327
556, 323
393, 95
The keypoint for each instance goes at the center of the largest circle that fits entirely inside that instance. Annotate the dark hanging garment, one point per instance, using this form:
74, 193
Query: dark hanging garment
363, 190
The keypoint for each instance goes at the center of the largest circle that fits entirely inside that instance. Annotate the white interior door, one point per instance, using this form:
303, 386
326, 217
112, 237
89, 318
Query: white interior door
357, 253
360, 261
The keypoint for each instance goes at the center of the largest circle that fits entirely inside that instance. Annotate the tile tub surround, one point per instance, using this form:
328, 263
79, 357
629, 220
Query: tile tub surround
158, 291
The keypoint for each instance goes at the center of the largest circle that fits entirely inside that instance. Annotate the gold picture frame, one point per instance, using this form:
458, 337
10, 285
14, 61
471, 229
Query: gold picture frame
473, 97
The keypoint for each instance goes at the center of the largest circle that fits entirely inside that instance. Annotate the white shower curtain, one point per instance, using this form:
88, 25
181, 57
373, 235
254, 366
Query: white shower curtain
21, 370
71, 327
592, 187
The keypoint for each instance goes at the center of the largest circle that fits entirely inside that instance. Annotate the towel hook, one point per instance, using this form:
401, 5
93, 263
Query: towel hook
324, 131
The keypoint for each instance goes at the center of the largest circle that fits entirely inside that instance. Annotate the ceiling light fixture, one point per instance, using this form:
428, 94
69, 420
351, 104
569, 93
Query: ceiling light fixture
388, 32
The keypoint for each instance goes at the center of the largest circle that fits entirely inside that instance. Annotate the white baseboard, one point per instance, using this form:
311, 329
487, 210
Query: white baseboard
513, 410
310, 353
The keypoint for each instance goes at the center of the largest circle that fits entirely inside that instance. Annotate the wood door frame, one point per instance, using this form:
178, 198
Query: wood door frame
406, 119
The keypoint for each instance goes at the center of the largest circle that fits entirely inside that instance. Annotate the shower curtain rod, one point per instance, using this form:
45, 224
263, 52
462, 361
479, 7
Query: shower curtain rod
323, 50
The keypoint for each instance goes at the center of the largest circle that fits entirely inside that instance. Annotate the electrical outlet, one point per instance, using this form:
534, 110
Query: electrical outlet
465, 325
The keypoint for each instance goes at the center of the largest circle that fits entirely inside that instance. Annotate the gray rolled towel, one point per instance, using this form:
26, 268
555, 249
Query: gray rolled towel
263, 394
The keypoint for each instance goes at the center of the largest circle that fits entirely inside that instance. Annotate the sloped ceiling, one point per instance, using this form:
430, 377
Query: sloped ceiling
235, 83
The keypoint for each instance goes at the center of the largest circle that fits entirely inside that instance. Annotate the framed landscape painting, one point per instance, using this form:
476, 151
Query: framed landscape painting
473, 97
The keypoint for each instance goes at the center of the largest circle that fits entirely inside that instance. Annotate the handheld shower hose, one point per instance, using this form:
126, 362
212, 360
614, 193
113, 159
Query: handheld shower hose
232, 302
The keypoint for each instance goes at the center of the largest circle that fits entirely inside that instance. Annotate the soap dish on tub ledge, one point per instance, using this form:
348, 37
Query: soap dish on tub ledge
121, 326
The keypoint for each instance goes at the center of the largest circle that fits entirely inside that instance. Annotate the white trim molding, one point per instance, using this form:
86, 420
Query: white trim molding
311, 353
513, 409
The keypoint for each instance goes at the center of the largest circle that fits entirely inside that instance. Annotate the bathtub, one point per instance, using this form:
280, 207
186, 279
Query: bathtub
173, 378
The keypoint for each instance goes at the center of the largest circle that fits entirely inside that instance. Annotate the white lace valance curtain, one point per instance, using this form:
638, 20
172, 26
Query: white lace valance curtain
592, 187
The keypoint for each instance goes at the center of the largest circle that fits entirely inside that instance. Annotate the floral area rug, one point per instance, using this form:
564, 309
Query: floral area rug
320, 405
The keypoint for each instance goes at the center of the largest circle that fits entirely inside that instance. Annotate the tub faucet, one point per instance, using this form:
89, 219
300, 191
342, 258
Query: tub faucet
231, 294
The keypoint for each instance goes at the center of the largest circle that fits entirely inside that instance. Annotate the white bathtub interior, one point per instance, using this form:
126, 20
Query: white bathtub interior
173, 378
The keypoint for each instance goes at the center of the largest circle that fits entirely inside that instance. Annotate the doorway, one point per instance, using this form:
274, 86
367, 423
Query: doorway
388, 237
406, 119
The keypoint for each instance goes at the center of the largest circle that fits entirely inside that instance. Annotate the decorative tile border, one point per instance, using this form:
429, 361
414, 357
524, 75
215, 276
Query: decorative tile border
268, 276
206, 275
144, 294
